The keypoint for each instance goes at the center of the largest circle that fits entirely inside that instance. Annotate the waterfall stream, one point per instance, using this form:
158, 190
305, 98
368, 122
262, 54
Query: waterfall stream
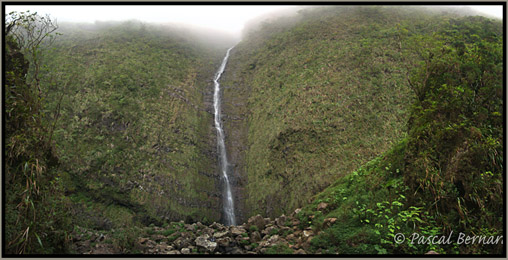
229, 208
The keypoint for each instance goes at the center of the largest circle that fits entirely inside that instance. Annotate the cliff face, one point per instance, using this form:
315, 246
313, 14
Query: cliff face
136, 133
309, 101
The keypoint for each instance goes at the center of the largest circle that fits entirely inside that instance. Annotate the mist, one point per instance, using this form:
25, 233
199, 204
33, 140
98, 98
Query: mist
226, 20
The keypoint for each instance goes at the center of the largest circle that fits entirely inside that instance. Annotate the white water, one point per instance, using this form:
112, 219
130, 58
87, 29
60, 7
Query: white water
229, 208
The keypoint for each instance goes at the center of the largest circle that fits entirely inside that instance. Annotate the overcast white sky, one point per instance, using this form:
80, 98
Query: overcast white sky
222, 17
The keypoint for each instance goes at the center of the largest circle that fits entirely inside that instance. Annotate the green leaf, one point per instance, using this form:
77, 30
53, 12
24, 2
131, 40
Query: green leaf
39, 240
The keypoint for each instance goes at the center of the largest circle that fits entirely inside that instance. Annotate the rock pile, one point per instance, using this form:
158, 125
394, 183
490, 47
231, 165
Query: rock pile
258, 236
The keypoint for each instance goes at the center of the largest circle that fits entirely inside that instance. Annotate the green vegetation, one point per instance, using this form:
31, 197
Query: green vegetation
378, 121
446, 176
34, 206
132, 129
279, 249
318, 98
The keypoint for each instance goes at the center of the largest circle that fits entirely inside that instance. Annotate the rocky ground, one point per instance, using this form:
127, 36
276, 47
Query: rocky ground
282, 235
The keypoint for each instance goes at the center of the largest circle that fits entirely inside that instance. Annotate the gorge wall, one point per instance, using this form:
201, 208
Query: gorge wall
136, 136
310, 100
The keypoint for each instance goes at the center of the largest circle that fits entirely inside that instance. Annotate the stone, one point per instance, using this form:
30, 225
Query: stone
327, 222
306, 245
220, 234
255, 237
217, 226
224, 242
174, 252
185, 251
237, 231
281, 221
158, 237
432, 253
300, 252
268, 230
163, 248
273, 239
142, 240
322, 206
203, 242
236, 251
257, 221
297, 211
150, 243
208, 231
190, 227
307, 233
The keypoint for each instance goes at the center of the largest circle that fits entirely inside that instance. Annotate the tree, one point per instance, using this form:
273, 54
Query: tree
31, 31
33, 196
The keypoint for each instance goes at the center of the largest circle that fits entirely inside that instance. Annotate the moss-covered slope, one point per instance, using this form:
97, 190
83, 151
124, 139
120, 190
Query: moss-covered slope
443, 184
311, 100
134, 135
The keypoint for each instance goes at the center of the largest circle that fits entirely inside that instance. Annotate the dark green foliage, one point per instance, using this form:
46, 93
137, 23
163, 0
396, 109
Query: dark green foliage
274, 231
346, 238
446, 176
318, 98
279, 249
35, 209
455, 153
133, 130
125, 239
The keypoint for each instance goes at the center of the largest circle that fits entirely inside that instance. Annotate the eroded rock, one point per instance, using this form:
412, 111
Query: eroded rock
203, 242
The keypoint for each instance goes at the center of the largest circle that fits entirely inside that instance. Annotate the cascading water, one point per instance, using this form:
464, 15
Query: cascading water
229, 208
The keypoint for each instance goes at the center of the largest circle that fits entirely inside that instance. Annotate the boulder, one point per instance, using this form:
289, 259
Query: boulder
163, 248
190, 228
255, 237
220, 234
327, 222
273, 239
208, 231
185, 251
300, 252
217, 226
322, 206
224, 241
158, 237
237, 231
257, 221
268, 230
181, 243
203, 242
236, 251
281, 221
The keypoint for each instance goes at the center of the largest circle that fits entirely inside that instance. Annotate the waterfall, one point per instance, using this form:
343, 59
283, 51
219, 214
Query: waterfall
229, 208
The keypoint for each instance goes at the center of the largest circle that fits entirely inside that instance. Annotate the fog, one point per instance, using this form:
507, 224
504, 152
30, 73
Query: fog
228, 19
